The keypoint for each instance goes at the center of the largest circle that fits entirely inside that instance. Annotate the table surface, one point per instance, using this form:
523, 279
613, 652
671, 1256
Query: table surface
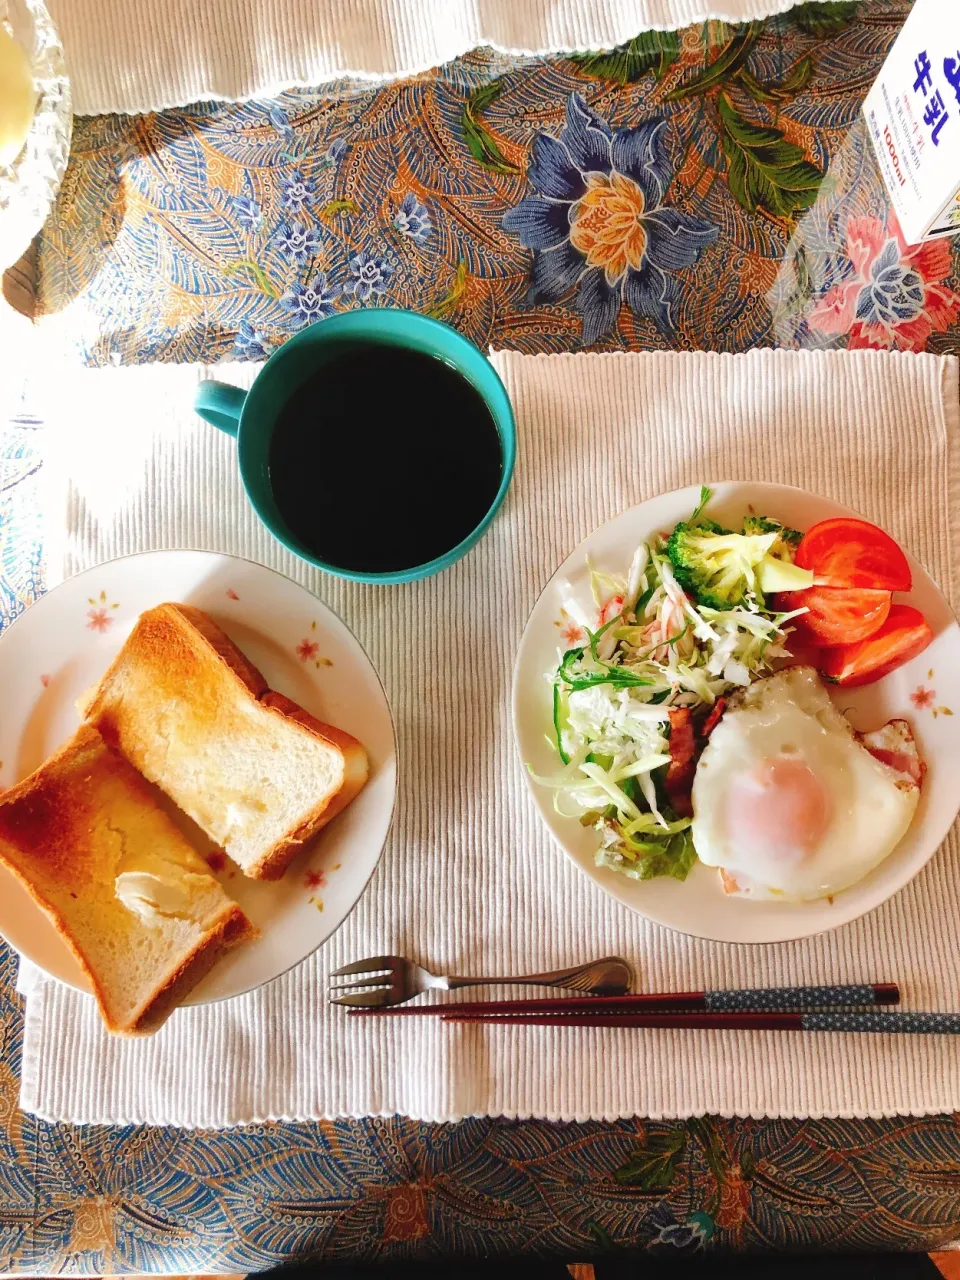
504, 197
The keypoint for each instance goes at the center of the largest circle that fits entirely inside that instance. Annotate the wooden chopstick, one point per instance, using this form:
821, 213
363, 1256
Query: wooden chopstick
896, 1023
770, 999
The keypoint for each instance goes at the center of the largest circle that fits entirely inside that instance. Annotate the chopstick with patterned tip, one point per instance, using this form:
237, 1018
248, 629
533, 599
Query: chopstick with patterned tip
760, 999
889, 1023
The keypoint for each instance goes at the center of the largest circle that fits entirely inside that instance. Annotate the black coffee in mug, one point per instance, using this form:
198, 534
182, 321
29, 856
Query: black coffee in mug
384, 459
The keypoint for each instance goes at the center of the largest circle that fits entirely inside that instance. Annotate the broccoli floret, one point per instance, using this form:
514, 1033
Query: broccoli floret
788, 540
717, 568
708, 526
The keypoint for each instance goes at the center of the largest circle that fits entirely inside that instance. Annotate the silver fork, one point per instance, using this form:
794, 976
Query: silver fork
390, 980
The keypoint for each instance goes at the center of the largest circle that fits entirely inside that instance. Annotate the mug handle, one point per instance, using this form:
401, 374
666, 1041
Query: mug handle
220, 404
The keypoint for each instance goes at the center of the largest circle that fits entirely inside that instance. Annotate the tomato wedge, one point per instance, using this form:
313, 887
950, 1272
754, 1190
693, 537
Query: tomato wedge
836, 615
803, 652
905, 633
843, 552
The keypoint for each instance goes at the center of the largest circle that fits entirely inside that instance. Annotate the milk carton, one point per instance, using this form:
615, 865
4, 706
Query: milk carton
913, 114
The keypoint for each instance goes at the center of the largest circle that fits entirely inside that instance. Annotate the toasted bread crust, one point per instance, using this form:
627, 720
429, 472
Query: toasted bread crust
163, 626
178, 631
275, 860
223, 647
38, 804
37, 808
232, 929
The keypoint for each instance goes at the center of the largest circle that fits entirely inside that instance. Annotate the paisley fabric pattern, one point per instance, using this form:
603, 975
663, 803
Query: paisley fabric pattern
709, 188
598, 221
21, 560
97, 1200
681, 179
893, 296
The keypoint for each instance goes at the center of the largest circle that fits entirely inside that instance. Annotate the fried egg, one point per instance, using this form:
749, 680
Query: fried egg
787, 801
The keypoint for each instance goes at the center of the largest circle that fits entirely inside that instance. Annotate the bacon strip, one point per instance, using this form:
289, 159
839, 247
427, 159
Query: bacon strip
894, 745
678, 782
713, 719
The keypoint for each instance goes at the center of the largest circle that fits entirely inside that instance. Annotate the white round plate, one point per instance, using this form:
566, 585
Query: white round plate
62, 646
698, 905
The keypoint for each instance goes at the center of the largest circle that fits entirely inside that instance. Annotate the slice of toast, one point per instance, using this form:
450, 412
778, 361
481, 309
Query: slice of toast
258, 773
136, 904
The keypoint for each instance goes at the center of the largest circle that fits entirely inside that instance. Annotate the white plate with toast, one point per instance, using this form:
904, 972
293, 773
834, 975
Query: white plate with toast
59, 651
925, 692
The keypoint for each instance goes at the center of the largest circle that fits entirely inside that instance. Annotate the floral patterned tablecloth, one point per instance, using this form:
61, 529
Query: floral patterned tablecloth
709, 188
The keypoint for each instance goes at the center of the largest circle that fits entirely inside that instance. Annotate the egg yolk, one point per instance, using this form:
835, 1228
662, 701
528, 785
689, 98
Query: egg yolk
781, 809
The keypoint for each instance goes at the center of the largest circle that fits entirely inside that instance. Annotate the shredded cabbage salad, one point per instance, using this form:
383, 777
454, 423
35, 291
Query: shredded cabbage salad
650, 648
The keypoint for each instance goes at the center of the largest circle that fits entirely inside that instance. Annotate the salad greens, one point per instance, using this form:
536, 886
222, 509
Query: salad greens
717, 567
669, 636
725, 569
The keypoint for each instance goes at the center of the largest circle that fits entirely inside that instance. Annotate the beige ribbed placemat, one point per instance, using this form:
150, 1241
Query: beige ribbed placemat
131, 57
469, 879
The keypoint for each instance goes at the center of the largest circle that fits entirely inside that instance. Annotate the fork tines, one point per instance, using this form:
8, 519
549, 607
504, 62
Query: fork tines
376, 964
373, 990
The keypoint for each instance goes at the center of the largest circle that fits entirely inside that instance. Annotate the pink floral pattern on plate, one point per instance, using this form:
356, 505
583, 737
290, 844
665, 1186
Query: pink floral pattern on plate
99, 615
572, 634
308, 649
923, 698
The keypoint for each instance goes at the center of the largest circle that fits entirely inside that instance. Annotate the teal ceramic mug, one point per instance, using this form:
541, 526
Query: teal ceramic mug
252, 416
